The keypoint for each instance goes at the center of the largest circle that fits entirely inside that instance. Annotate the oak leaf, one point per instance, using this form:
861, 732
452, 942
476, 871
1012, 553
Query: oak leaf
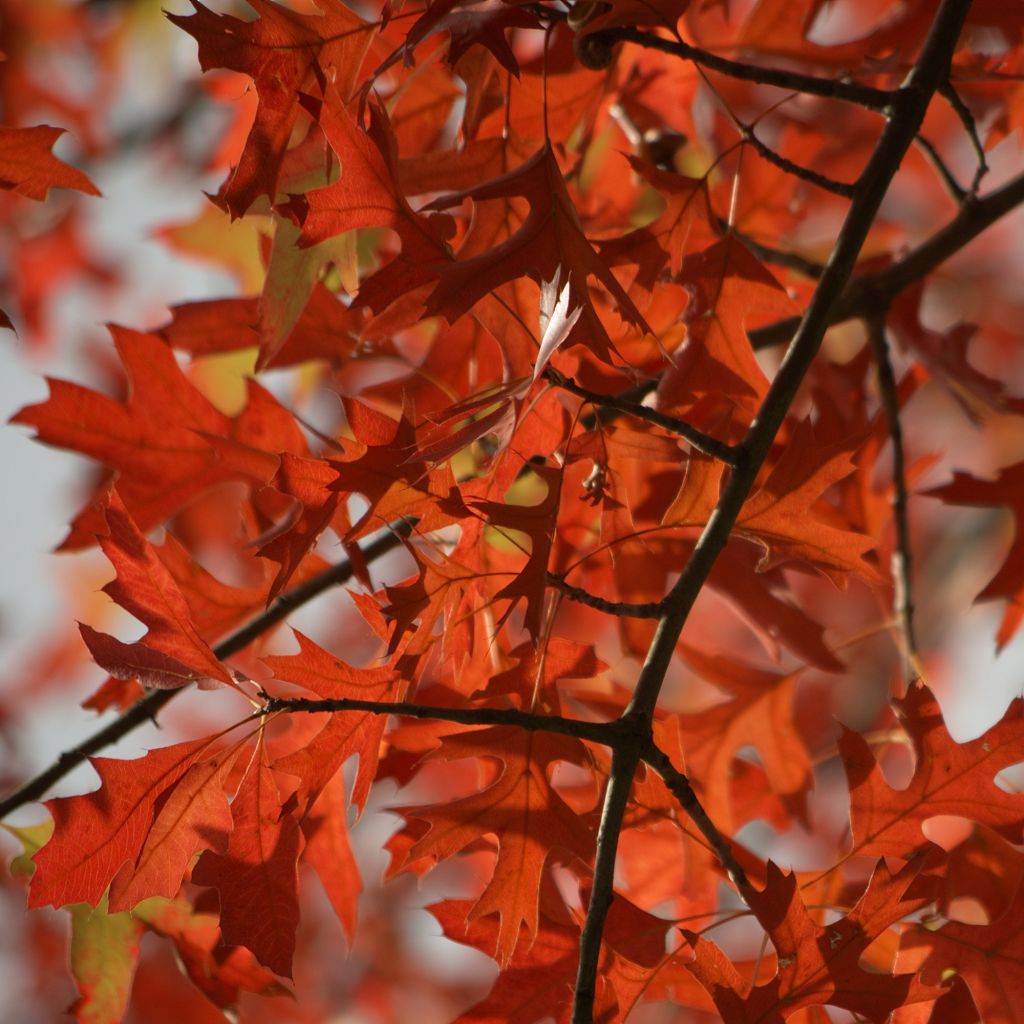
257, 877
521, 808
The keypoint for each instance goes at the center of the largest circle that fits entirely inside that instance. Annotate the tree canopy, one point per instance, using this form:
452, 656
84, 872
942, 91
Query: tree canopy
563, 524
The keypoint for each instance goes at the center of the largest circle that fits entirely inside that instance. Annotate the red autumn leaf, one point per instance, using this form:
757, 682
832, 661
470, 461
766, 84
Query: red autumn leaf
949, 778
817, 964
95, 835
548, 247
286, 54
194, 817
538, 523
355, 732
477, 287
529, 817
1007, 490
28, 168
159, 441
760, 714
385, 467
328, 850
220, 974
257, 878
146, 589
325, 329
990, 958
785, 516
367, 193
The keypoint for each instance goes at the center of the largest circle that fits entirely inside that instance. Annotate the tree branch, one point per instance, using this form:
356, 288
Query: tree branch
680, 787
145, 710
622, 609
953, 98
697, 438
823, 181
608, 733
794, 81
908, 107
902, 564
872, 291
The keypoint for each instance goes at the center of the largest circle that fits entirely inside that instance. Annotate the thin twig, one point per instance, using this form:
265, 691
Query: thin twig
680, 787
145, 710
823, 181
608, 733
873, 291
909, 104
953, 187
954, 99
697, 438
622, 609
781, 257
795, 81
902, 564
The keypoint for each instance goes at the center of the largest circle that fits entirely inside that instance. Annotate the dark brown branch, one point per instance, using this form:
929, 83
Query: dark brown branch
953, 187
679, 786
909, 104
902, 563
953, 98
697, 438
146, 709
876, 291
622, 609
620, 783
608, 733
780, 257
794, 81
823, 181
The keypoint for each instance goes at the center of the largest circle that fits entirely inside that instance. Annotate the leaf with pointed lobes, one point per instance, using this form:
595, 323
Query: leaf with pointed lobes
522, 809
326, 329
145, 588
344, 734
220, 973
1007, 490
760, 714
159, 440
286, 54
97, 833
785, 516
731, 290
988, 957
538, 523
317, 505
818, 965
104, 951
468, 22
194, 817
384, 465
367, 194
949, 778
537, 984
257, 878
28, 168
137, 661
329, 852
549, 242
